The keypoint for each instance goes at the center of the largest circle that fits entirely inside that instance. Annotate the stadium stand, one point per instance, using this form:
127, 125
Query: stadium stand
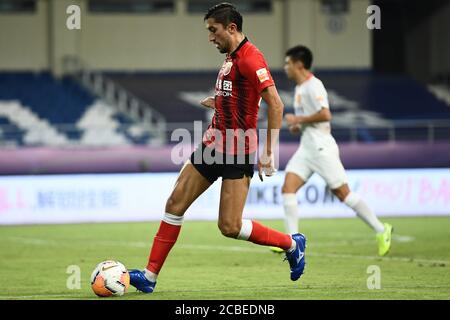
10, 134
37, 109
369, 103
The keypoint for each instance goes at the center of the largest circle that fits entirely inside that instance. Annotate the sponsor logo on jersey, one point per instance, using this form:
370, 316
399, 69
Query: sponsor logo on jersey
227, 85
223, 93
226, 69
224, 88
262, 74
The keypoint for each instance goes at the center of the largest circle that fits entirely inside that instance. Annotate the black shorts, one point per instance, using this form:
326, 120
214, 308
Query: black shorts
212, 164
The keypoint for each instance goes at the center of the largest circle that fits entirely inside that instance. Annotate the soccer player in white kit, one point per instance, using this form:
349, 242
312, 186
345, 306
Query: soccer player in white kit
318, 151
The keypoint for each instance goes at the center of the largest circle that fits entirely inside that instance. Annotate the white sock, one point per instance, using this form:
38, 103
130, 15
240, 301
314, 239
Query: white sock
246, 230
290, 212
293, 246
173, 219
150, 275
363, 211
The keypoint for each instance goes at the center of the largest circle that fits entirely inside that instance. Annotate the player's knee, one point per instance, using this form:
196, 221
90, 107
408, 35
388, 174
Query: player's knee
174, 206
229, 229
287, 189
337, 194
340, 193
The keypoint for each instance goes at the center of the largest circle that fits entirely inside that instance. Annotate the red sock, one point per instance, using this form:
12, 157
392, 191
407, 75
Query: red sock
164, 240
269, 237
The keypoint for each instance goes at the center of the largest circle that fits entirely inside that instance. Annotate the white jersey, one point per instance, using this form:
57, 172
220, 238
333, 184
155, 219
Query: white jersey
310, 98
318, 151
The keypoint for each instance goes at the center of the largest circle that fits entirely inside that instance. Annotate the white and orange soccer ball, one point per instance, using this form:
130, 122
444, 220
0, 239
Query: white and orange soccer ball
110, 278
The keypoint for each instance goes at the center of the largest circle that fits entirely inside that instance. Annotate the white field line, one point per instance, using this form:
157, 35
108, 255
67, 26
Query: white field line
400, 238
43, 296
331, 255
242, 290
260, 250
141, 244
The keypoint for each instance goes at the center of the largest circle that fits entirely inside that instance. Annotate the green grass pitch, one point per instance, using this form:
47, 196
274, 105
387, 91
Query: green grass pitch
206, 265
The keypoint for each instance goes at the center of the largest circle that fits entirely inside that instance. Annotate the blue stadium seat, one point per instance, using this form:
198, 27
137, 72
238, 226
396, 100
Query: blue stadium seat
58, 102
10, 133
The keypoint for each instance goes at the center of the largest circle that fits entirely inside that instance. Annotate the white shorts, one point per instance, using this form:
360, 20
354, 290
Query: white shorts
324, 160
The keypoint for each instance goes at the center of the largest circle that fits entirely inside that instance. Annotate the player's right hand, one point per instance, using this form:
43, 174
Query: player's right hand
294, 129
266, 165
209, 102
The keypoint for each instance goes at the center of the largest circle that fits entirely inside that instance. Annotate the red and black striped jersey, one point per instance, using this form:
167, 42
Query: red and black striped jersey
241, 79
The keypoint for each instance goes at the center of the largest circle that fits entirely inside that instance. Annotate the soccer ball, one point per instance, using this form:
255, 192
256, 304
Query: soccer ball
110, 278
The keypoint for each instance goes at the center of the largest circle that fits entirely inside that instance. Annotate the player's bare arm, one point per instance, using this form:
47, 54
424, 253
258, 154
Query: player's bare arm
209, 102
274, 121
323, 115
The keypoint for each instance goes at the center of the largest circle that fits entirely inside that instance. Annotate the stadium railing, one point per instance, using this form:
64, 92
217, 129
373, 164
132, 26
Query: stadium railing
399, 130
117, 96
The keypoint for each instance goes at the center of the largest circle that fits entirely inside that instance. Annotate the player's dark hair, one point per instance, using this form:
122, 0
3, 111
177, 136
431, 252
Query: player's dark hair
225, 13
301, 53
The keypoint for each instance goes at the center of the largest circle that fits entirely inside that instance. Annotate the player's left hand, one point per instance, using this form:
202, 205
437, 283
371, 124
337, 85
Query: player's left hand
209, 102
295, 129
266, 165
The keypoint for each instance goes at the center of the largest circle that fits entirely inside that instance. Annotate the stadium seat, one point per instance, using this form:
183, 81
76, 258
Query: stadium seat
37, 109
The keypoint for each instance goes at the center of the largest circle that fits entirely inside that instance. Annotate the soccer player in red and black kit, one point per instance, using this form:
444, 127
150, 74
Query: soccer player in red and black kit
227, 150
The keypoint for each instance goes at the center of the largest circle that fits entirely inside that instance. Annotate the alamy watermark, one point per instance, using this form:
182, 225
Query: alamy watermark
73, 21
228, 146
374, 20
374, 280
73, 281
